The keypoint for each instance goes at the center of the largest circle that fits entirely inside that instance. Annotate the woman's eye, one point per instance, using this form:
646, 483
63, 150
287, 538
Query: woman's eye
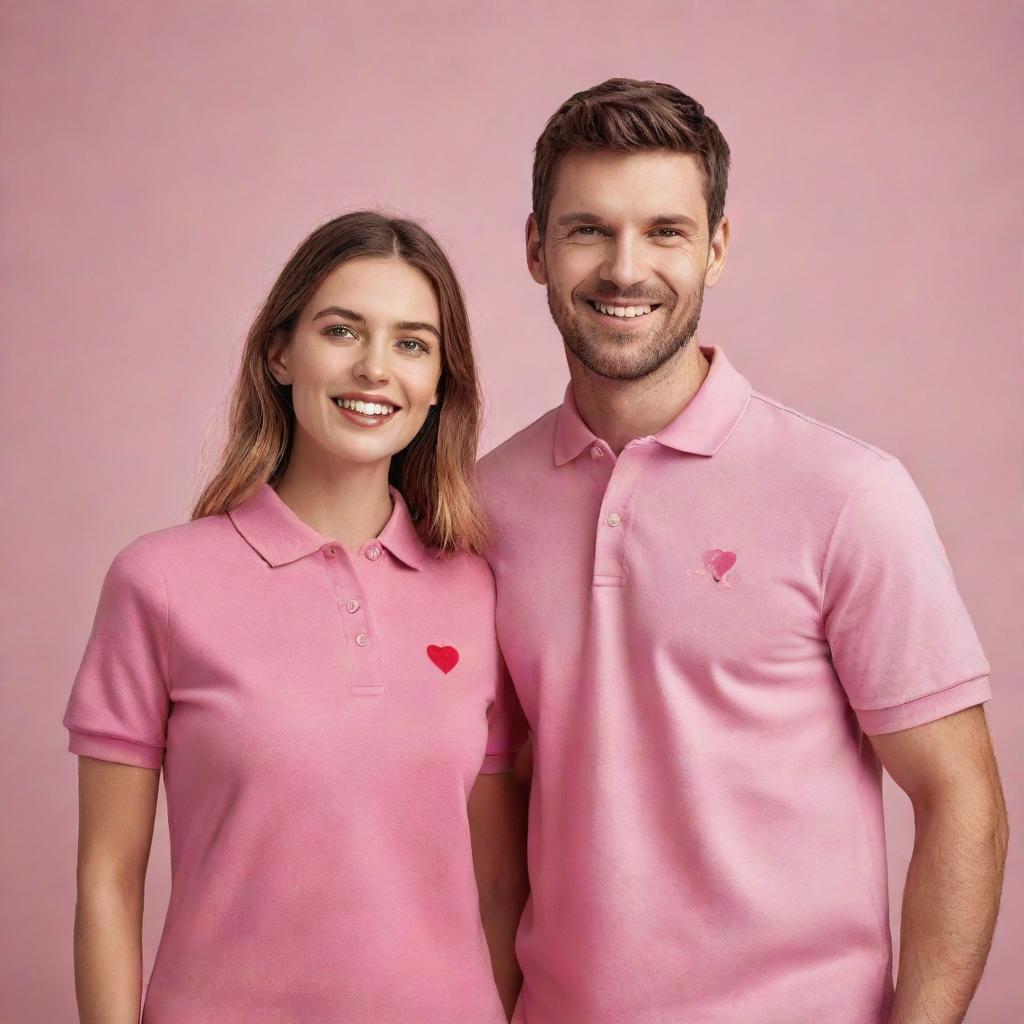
413, 344
335, 330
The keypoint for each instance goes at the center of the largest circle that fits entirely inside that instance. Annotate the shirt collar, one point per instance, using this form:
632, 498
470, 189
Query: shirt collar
702, 427
279, 536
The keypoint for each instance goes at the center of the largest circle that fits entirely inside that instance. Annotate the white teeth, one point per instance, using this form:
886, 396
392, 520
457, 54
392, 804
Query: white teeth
623, 311
366, 408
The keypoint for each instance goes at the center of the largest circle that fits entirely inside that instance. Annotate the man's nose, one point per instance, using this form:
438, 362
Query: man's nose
625, 263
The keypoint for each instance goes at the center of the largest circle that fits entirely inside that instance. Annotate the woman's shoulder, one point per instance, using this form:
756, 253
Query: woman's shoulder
187, 543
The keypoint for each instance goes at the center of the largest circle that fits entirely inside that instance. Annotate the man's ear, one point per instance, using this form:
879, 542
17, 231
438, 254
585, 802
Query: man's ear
277, 358
717, 252
535, 251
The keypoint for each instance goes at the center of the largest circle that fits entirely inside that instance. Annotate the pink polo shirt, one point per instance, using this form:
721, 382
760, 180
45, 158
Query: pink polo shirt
320, 718
701, 630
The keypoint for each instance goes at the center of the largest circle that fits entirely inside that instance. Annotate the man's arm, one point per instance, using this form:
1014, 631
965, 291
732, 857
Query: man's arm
951, 898
497, 823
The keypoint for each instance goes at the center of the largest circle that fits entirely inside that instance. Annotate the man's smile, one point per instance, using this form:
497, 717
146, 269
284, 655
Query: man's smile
622, 311
624, 315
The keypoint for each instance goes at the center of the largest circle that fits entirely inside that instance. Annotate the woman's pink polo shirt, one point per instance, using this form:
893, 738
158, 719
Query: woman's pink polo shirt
320, 718
702, 629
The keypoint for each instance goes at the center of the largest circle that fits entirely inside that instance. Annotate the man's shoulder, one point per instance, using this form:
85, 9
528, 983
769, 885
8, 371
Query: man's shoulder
522, 451
795, 440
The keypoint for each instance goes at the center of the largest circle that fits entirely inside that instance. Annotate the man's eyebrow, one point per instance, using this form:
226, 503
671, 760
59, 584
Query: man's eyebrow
578, 218
659, 221
358, 318
666, 219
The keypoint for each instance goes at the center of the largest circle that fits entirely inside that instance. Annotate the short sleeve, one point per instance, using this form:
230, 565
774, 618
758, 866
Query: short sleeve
902, 642
507, 729
119, 701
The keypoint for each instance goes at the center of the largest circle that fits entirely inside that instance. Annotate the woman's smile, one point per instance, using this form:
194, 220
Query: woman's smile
365, 412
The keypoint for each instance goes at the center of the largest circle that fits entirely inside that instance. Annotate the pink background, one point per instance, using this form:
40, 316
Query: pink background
160, 161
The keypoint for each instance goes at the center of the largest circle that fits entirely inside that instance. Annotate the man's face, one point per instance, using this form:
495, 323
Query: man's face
626, 256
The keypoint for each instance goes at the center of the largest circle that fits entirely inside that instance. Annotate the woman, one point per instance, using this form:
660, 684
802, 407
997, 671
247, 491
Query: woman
312, 663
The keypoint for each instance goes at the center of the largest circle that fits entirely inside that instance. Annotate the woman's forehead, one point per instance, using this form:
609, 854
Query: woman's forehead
378, 288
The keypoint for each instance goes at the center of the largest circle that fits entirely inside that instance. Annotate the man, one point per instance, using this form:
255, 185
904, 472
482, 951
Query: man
721, 617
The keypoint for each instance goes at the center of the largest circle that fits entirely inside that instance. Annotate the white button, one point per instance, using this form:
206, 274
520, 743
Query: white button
596, 451
373, 554
362, 639
614, 519
353, 605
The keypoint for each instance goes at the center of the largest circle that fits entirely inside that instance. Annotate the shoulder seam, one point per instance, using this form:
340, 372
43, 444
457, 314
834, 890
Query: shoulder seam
818, 423
854, 490
145, 543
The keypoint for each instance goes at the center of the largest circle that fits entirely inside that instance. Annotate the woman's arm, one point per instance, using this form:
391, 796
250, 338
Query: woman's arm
117, 807
497, 822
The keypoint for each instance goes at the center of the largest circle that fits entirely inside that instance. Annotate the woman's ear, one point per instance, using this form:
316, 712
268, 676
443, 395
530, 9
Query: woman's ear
277, 358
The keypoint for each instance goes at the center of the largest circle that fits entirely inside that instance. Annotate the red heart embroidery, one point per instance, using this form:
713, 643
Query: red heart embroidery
719, 562
445, 658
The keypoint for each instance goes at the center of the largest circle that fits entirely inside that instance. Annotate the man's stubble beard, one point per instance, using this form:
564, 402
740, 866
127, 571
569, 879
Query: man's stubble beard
601, 358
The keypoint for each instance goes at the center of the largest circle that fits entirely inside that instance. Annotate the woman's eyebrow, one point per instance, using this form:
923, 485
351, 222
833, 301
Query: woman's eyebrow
358, 318
348, 314
416, 325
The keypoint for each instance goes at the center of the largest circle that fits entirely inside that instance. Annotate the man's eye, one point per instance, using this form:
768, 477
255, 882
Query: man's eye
576, 231
668, 232
334, 330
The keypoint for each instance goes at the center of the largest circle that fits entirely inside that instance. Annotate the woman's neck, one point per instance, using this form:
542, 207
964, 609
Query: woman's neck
345, 501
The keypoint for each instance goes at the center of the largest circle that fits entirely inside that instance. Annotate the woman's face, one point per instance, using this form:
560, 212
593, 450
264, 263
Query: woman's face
364, 360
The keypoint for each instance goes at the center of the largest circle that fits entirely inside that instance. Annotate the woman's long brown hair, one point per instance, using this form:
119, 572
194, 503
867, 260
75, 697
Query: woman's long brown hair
434, 472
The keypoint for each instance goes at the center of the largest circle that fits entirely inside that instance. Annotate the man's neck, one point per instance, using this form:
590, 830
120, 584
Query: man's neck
617, 411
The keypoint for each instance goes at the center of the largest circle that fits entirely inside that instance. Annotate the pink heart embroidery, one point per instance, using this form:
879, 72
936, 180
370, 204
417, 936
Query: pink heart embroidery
719, 562
445, 658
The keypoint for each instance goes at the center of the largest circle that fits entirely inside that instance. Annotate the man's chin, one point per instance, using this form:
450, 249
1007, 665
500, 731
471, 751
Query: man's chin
616, 365
630, 358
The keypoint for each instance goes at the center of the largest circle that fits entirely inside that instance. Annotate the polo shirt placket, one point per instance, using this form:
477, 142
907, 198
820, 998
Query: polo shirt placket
619, 478
362, 641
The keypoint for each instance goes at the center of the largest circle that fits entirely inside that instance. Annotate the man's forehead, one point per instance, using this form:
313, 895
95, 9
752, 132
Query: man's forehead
641, 183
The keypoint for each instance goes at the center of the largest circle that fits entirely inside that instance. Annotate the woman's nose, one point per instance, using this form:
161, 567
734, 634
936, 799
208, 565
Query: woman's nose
372, 364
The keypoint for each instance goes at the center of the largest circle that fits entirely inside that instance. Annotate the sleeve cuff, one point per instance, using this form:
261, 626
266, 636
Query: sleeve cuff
925, 709
107, 748
498, 764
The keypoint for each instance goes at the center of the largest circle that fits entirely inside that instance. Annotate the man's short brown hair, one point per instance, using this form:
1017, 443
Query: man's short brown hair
624, 114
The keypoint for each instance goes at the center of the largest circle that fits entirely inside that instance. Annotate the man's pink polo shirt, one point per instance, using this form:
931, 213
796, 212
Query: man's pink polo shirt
701, 630
320, 718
